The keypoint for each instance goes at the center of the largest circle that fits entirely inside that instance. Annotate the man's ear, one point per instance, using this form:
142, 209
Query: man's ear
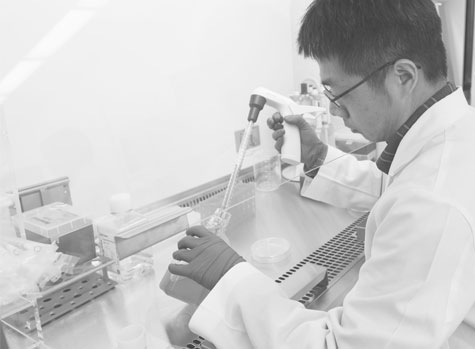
406, 74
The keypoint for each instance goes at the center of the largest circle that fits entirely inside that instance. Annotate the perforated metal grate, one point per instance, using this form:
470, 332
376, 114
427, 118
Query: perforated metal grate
242, 204
209, 196
338, 255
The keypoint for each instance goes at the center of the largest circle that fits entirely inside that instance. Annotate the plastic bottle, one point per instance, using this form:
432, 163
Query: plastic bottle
305, 98
325, 127
317, 94
328, 132
319, 126
122, 219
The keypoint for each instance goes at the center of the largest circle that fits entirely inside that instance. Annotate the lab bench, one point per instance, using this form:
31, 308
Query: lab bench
309, 226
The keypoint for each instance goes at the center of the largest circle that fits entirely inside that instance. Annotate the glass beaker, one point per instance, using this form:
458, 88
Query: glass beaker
267, 173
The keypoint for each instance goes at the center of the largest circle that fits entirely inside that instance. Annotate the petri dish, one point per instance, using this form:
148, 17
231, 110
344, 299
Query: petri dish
270, 250
293, 172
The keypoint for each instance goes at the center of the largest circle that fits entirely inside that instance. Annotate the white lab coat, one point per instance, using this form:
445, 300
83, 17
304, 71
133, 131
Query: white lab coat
417, 284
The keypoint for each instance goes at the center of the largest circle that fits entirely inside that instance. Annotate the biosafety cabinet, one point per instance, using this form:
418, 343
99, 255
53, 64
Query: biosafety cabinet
120, 126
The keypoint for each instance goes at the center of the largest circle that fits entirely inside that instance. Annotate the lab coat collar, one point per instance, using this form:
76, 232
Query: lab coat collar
434, 121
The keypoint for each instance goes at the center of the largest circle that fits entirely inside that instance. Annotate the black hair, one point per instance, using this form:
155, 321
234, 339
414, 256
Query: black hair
365, 34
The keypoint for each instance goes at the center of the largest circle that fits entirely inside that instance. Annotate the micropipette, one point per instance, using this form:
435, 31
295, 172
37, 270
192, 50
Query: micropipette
220, 218
290, 149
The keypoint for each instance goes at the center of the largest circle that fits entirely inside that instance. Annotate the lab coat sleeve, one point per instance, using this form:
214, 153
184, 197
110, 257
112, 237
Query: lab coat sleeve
246, 309
345, 182
411, 293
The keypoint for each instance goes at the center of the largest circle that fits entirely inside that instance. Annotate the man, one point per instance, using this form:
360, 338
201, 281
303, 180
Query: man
383, 66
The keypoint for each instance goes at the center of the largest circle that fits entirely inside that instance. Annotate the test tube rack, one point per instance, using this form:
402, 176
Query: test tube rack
89, 281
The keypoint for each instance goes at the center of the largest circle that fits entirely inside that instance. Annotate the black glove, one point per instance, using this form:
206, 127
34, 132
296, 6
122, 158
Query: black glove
313, 150
207, 255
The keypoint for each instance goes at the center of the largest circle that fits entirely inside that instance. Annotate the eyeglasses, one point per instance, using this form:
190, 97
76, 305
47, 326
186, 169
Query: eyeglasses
333, 99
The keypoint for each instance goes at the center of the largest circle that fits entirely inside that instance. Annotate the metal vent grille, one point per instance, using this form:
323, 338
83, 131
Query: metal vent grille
217, 190
200, 343
206, 198
202, 199
338, 255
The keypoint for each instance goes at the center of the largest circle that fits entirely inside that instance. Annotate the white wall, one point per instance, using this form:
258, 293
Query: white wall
452, 13
146, 97
304, 68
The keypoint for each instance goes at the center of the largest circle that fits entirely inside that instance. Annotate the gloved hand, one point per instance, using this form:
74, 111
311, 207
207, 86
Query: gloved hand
313, 150
207, 255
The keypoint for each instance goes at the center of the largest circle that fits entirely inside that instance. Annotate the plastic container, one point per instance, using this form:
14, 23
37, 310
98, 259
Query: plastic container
305, 98
132, 337
270, 250
183, 288
267, 174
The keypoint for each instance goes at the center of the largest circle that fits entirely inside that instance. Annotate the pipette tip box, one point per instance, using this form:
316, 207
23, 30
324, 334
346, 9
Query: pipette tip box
59, 222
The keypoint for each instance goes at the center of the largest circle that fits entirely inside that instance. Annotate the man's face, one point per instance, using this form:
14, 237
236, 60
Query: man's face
364, 110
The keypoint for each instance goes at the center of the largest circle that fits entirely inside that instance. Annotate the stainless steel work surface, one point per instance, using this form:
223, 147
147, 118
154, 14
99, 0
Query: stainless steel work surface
306, 224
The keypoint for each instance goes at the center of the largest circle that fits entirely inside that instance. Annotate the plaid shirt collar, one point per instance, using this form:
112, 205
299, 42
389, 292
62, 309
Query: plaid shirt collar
386, 158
